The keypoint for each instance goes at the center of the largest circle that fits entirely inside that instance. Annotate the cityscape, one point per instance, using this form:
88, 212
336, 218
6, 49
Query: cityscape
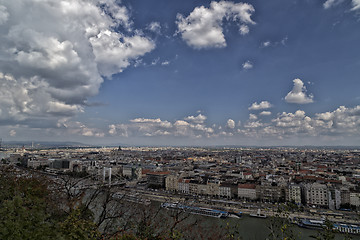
317, 183
177, 120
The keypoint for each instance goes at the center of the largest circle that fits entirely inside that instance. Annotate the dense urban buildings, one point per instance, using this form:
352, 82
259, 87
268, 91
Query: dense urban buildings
316, 178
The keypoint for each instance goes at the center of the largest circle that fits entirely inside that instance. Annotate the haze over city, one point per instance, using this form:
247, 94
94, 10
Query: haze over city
160, 72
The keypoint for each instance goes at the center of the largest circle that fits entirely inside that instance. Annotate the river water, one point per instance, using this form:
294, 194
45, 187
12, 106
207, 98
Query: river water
246, 227
250, 228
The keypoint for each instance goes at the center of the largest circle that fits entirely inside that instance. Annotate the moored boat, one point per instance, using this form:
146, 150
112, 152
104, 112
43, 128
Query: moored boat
311, 223
235, 214
196, 210
346, 228
258, 214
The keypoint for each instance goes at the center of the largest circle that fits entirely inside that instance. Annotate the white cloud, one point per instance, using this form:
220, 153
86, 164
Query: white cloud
252, 117
230, 124
356, 5
330, 3
154, 27
260, 106
155, 61
165, 63
253, 124
266, 44
203, 27
12, 133
192, 126
298, 94
247, 65
78, 128
284, 40
198, 119
58, 53
265, 113
298, 125
244, 29
4, 15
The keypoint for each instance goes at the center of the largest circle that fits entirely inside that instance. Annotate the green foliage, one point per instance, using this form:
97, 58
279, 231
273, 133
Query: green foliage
280, 226
24, 213
76, 227
29, 211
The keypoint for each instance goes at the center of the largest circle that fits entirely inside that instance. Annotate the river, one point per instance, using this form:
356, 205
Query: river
248, 228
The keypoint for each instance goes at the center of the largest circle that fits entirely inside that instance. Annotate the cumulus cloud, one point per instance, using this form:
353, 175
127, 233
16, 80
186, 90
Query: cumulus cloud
298, 94
203, 28
252, 117
191, 126
12, 133
356, 5
330, 3
265, 113
198, 119
78, 128
54, 57
247, 65
154, 27
230, 123
4, 15
342, 121
260, 106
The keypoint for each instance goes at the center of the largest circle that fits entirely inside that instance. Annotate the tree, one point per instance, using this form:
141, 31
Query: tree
28, 210
280, 225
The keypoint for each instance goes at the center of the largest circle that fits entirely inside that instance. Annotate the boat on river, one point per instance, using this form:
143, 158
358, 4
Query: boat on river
337, 227
258, 214
346, 228
196, 210
235, 214
311, 223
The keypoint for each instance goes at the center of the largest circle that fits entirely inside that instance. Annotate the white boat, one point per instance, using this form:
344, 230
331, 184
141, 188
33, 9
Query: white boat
258, 214
196, 210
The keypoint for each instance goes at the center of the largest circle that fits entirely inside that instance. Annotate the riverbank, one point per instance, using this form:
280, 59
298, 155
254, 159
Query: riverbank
236, 206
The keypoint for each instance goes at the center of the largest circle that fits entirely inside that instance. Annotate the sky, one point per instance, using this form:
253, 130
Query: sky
169, 72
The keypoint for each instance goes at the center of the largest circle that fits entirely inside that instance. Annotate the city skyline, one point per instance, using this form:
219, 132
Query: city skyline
149, 72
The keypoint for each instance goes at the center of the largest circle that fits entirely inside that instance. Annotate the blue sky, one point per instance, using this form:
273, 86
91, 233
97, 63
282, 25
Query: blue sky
160, 72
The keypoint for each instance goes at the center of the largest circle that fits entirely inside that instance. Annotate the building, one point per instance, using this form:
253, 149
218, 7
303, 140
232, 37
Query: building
345, 195
271, 192
317, 194
183, 185
60, 164
227, 190
294, 193
355, 199
156, 179
171, 182
334, 198
247, 191
213, 186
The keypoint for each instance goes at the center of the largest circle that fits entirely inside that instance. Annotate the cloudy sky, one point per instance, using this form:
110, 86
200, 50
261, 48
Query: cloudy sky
169, 72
